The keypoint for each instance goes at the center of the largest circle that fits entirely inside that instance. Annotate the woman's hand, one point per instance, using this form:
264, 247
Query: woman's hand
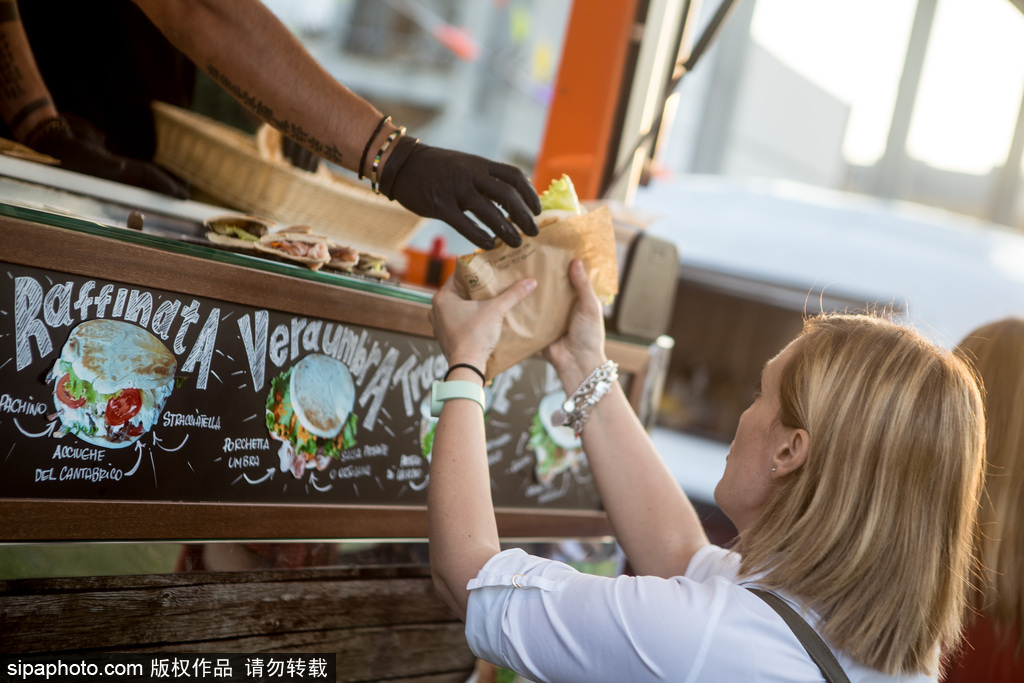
469, 330
581, 349
460, 514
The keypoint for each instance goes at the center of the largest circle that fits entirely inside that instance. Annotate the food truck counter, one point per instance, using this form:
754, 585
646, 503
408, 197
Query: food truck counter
158, 387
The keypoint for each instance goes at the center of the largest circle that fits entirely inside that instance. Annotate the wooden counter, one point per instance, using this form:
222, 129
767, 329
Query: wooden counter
55, 246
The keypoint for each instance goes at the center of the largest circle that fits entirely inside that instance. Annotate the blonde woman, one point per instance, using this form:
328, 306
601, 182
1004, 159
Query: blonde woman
853, 480
993, 648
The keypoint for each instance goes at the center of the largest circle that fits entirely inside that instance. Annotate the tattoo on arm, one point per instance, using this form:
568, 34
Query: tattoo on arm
9, 11
266, 113
11, 86
27, 111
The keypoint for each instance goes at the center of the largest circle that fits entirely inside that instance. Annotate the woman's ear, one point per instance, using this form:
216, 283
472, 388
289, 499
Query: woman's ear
792, 453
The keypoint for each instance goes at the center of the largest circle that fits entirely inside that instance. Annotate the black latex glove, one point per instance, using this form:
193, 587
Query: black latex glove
86, 155
442, 183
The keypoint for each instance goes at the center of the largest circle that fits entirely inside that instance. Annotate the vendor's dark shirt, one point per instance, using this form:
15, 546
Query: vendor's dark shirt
105, 62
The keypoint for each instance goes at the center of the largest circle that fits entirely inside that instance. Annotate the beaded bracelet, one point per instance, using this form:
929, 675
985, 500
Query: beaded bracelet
374, 180
366, 150
590, 391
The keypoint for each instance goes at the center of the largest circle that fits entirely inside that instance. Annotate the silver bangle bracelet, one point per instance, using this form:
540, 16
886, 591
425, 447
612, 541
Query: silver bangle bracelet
590, 391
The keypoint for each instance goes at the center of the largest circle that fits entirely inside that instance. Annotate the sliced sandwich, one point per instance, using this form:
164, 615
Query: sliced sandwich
342, 258
309, 410
312, 251
111, 382
372, 265
237, 230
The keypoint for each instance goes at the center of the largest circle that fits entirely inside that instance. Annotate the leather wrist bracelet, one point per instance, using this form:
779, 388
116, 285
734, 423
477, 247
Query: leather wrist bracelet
366, 150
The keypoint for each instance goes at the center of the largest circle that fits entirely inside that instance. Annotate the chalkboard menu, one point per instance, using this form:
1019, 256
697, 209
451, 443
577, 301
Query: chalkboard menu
113, 391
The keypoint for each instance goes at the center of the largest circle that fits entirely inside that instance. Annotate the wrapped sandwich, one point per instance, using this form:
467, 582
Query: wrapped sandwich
566, 232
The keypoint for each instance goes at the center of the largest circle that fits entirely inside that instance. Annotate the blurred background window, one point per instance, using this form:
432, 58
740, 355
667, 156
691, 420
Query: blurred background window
853, 50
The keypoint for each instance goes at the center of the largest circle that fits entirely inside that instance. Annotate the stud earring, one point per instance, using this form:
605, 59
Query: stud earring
773, 469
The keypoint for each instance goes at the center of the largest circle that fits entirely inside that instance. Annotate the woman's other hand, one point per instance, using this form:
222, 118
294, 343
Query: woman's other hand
467, 330
581, 349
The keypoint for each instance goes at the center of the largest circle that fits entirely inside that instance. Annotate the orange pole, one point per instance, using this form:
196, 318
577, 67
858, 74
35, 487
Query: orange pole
581, 119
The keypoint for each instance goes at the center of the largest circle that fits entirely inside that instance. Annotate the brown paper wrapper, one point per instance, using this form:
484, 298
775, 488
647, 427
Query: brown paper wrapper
543, 317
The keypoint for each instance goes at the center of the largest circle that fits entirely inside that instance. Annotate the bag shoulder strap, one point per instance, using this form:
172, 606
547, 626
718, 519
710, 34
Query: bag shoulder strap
807, 636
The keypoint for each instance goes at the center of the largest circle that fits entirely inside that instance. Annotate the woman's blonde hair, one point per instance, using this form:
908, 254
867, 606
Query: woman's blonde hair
997, 352
874, 531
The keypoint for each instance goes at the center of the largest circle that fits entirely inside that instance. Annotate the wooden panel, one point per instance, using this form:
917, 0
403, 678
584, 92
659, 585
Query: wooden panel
91, 256
84, 520
381, 622
94, 520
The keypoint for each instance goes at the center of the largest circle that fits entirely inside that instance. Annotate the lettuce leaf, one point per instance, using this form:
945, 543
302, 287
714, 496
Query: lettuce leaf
280, 385
561, 195
78, 388
348, 434
546, 450
241, 233
312, 444
427, 442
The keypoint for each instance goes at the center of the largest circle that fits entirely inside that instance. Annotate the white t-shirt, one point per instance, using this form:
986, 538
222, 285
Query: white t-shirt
561, 625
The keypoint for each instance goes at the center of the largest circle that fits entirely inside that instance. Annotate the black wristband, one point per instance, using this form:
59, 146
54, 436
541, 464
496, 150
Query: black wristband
465, 365
369, 143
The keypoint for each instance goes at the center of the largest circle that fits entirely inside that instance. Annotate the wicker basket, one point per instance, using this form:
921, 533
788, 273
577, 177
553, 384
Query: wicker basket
225, 163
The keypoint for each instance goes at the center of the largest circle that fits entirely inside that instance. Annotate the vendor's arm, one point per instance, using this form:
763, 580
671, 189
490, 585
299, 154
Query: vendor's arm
462, 529
28, 109
26, 101
250, 53
652, 518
